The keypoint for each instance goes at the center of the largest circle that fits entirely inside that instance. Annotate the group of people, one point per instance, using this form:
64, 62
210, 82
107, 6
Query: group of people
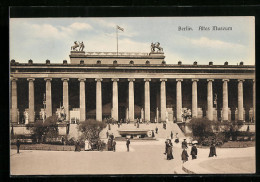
184, 154
111, 143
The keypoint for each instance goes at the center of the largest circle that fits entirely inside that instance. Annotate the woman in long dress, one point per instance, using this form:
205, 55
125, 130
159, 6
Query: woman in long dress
169, 150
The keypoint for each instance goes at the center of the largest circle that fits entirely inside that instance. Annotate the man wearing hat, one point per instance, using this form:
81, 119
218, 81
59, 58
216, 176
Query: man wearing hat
194, 151
184, 144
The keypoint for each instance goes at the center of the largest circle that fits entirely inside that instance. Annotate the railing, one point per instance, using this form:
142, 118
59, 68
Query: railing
119, 53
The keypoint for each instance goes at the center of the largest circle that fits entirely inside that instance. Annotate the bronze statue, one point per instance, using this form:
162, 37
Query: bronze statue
156, 45
74, 48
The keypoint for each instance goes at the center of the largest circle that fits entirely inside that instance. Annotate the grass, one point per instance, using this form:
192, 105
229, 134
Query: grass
45, 147
238, 144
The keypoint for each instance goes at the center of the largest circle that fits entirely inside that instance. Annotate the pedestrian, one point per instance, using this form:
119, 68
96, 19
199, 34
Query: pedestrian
114, 145
109, 127
112, 136
169, 150
138, 125
194, 151
153, 134
62, 140
171, 135
18, 145
184, 155
107, 134
156, 130
212, 150
127, 144
184, 144
176, 138
109, 144
166, 145
77, 146
100, 145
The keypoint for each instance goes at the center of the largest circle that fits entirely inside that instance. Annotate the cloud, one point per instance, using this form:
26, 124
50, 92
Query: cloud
211, 43
80, 26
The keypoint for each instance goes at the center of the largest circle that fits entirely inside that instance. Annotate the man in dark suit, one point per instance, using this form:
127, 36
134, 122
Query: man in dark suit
184, 144
127, 144
18, 145
194, 151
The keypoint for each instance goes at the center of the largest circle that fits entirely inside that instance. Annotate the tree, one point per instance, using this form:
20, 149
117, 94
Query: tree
91, 129
201, 128
48, 129
230, 128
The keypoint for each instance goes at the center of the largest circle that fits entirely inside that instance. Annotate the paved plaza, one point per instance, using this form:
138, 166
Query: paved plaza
144, 158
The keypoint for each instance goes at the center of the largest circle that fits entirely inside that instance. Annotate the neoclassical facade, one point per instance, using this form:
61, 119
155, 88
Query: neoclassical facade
128, 86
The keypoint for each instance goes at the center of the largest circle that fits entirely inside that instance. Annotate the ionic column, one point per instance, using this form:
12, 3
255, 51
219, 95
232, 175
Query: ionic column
131, 100
210, 100
115, 99
147, 99
163, 100
82, 99
31, 99
14, 116
98, 99
225, 100
240, 100
178, 100
254, 99
194, 98
48, 97
66, 97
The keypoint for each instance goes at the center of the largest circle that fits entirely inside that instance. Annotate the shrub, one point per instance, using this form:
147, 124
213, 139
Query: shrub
201, 128
43, 130
91, 129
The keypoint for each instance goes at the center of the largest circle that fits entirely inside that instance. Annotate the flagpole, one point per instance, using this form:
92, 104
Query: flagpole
116, 41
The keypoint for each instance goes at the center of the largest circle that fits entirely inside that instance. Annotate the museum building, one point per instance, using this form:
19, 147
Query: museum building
130, 85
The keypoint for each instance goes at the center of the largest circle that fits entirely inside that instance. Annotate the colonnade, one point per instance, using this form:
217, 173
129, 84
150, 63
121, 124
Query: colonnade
114, 112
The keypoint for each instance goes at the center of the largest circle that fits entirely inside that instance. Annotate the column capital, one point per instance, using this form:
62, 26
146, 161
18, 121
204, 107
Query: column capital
48, 79
179, 80
65, 79
82, 79
240, 80
210, 80
13, 79
225, 80
131, 79
195, 80
114, 79
163, 79
147, 79
98, 79
30, 79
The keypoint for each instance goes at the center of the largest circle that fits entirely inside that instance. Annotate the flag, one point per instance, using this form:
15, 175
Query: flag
119, 28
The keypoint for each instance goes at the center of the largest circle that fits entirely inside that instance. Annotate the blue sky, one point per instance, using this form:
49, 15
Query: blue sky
51, 38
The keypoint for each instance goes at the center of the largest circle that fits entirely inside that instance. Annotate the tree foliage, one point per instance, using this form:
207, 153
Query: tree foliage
201, 128
231, 128
47, 129
91, 129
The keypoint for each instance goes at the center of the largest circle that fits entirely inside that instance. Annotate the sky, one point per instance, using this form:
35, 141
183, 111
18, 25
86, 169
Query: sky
40, 39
